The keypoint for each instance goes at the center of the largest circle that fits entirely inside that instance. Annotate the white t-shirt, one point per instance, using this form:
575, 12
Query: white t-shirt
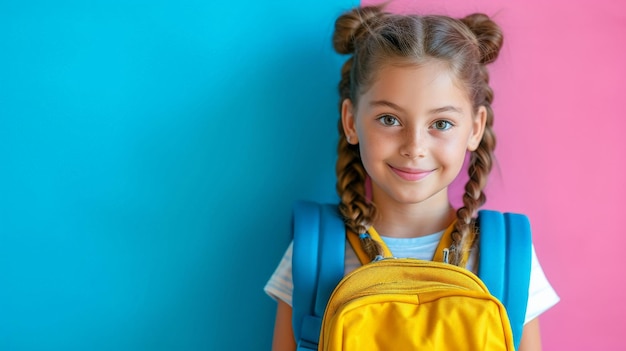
541, 296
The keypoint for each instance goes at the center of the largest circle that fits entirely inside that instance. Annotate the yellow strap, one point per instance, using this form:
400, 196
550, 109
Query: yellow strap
356, 246
355, 241
444, 243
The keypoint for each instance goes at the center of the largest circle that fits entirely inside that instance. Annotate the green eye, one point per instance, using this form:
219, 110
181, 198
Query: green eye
389, 120
442, 125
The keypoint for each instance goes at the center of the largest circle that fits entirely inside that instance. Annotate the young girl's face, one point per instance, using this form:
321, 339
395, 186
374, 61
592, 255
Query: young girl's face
413, 126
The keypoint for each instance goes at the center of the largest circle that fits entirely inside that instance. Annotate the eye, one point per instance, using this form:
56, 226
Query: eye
389, 120
442, 125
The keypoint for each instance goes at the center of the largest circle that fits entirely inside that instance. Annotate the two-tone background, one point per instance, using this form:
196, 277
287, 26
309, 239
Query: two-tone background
150, 152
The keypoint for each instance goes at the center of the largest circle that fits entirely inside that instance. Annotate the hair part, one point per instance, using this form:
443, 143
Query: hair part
375, 38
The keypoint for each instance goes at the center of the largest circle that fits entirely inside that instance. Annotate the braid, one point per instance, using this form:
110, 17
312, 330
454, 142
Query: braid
481, 162
357, 211
489, 38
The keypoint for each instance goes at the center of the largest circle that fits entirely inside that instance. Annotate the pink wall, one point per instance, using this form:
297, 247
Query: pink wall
559, 107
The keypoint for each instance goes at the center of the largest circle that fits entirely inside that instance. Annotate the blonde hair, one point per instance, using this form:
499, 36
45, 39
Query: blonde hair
374, 37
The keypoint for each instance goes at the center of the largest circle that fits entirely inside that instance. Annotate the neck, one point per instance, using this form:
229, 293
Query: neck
413, 220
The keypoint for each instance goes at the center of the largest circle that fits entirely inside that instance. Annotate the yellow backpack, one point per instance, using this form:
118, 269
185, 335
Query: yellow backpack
407, 304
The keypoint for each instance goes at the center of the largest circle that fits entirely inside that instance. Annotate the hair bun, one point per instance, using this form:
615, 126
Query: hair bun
488, 33
352, 25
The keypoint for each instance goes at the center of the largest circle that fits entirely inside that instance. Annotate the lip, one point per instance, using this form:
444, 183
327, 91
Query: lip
411, 174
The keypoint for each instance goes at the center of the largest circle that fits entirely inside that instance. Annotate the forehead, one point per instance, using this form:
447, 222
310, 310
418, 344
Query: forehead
428, 85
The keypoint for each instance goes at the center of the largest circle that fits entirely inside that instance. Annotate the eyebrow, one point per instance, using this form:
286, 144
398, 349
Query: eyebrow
448, 108
386, 103
435, 111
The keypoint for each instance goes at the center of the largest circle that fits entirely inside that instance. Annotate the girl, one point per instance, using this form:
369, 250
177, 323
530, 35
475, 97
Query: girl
414, 99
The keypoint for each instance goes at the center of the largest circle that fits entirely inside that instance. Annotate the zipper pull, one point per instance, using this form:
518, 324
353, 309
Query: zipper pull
446, 255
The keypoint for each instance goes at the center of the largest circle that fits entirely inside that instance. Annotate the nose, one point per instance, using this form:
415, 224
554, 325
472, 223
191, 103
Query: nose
413, 143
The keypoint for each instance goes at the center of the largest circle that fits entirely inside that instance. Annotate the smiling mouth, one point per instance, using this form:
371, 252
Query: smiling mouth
411, 174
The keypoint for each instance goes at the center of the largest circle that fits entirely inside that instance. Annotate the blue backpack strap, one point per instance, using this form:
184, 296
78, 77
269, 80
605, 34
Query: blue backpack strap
317, 267
505, 262
306, 221
331, 256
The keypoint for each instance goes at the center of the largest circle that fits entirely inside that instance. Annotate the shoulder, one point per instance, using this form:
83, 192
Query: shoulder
280, 284
541, 294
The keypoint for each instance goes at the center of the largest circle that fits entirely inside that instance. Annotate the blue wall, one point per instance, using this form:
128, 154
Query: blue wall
150, 152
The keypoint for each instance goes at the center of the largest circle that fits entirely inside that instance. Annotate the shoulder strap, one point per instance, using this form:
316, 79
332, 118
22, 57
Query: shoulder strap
504, 263
355, 242
316, 229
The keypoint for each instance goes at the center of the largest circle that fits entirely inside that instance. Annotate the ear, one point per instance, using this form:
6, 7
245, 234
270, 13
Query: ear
348, 121
478, 128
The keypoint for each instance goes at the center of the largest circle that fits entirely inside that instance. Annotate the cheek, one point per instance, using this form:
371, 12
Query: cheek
367, 151
453, 152
373, 151
460, 139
